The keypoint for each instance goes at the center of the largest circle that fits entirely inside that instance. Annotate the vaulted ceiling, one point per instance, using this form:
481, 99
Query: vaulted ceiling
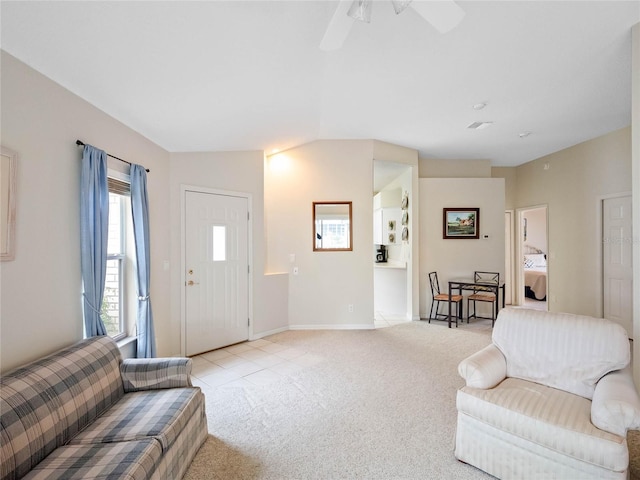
241, 75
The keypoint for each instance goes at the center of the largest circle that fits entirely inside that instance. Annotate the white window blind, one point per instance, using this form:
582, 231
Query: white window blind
118, 186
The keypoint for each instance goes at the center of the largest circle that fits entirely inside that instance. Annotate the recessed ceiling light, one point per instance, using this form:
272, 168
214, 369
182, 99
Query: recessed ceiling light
479, 106
524, 134
479, 125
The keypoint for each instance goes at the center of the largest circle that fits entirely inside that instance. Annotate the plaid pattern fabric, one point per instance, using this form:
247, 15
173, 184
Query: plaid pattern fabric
161, 414
44, 404
155, 373
66, 416
176, 460
105, 461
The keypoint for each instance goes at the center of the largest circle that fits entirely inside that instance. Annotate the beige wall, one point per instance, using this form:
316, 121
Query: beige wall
572, 186
459, 258
510, 184
431, 168
389, 152
327, 170
41, 288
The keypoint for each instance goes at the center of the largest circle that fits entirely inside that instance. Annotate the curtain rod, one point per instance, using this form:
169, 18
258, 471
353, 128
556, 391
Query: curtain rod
80, 143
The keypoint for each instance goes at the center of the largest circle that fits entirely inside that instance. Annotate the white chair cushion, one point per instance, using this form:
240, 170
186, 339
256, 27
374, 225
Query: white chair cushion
561, 350
548, 417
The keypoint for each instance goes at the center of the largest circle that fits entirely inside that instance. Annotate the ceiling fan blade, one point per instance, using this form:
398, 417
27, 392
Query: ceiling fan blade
338, 28
444, 15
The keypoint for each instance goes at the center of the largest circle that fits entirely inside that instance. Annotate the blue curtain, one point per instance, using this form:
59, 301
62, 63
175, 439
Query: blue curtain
94, 225
140, 210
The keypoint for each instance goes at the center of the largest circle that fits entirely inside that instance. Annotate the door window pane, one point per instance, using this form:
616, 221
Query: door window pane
219, 243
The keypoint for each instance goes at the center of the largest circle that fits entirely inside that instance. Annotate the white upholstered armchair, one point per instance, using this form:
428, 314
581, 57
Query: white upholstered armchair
551, 397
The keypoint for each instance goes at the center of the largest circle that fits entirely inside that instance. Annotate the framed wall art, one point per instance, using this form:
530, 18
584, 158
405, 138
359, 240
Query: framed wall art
460, 223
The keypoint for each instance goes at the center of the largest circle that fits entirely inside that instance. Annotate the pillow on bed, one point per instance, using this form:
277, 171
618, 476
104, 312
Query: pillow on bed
536, 259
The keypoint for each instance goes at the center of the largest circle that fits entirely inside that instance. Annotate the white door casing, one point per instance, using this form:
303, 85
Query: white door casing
520, 246
508, 257
216, 270
617, 261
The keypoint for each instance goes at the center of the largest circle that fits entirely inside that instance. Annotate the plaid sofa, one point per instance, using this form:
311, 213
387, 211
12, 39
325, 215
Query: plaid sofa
85, 413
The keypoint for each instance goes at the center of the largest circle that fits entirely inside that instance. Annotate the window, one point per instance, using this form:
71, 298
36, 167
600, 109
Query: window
219, 243
332, 233
117, 282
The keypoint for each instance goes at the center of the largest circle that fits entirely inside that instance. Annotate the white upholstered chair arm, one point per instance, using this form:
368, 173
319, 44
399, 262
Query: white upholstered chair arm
484, 369
615, 406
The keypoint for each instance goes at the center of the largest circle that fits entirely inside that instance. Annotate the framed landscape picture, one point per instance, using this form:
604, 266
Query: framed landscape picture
460, 223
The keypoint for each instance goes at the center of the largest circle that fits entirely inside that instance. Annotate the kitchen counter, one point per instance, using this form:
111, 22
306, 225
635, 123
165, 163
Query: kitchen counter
390, 264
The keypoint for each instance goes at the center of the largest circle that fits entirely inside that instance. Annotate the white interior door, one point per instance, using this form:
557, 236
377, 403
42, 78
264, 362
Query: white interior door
617, 261
216, 276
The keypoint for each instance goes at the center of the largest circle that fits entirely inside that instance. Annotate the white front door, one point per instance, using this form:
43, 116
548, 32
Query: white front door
617, 261
216, 276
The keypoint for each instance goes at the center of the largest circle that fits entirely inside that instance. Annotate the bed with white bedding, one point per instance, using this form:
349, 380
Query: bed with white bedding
535, 276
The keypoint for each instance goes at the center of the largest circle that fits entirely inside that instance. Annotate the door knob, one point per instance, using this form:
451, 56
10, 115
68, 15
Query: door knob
191, 283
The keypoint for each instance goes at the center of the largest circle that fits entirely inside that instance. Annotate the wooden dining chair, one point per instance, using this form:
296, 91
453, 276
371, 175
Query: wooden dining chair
438, 297
484, 294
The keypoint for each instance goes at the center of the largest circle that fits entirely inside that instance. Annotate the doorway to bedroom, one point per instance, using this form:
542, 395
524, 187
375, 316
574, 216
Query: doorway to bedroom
533, 257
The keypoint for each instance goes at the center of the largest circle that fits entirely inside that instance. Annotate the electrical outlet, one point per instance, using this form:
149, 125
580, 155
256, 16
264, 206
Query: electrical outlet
350, 308
295, 270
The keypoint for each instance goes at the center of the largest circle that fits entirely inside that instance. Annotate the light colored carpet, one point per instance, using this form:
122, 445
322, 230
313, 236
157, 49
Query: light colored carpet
378, 404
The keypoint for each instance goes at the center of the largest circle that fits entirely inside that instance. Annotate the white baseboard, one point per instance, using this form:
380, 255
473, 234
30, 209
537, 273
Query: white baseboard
257, 336
355, 326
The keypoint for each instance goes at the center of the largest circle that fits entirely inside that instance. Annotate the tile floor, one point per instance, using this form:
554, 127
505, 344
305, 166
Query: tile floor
258, 362
383, 319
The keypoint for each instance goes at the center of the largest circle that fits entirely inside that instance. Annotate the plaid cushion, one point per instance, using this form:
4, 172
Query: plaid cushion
162, 414
154, 373
47, 402
122, 460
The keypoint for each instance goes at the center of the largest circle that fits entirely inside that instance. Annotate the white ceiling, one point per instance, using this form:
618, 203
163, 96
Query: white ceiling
239, 75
